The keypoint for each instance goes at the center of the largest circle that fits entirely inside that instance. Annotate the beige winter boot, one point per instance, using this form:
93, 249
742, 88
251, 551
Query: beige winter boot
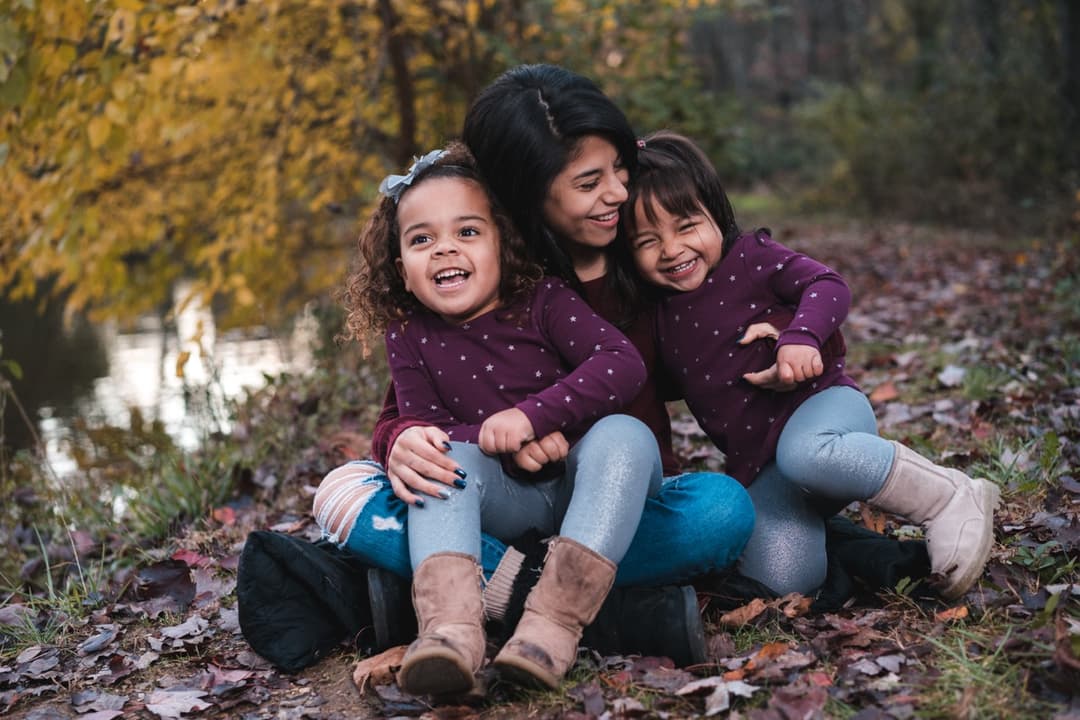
958, 512
565, 599
449, 648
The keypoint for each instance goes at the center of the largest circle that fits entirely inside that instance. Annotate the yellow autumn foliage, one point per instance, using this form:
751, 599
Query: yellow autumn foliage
240, 144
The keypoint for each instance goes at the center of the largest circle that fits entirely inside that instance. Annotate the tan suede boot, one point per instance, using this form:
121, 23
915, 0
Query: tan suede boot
958, 512
450, 645
565, 599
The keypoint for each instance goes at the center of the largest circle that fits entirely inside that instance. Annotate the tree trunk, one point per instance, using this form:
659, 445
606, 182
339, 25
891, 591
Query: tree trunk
1070, 43
403, 85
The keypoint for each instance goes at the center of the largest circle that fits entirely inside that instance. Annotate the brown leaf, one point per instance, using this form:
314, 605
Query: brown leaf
768, 653
957, 613
794, 605
871, 518
743, 615
884, 392
378, 669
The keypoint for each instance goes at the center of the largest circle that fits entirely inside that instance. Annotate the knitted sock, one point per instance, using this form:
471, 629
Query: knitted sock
499, 588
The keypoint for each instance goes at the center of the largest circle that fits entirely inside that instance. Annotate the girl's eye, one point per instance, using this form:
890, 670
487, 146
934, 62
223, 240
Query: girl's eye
418, 240
591, 185
469, 232
688, 225
643, 243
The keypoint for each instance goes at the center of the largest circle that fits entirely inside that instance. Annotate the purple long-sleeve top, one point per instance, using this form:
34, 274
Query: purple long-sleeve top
559, 363
759, 280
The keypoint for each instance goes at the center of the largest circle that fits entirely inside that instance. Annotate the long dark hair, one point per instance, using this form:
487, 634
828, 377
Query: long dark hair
523, 129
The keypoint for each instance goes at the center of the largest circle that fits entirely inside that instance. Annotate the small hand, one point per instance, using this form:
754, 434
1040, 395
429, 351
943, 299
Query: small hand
759, 331
538, 453
418, 462
507, 431
798, 362
768, 379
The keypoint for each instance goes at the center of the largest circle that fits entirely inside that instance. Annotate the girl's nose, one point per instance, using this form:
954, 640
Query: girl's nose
668, 248
446, 247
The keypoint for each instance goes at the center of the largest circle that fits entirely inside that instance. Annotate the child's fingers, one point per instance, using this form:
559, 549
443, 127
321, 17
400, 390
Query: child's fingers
785, 372
554, 446
530, 458
757, 331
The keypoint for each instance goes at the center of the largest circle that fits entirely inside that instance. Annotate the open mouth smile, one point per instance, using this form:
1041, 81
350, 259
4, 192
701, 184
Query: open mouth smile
451, 278
681, 268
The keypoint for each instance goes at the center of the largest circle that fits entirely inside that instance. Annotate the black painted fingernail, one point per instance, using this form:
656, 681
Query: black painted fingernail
419, 502
460, 484
461, 473
446, 445
444, 494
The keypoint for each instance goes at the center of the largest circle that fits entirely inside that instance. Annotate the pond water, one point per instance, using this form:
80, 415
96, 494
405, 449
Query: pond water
100, 372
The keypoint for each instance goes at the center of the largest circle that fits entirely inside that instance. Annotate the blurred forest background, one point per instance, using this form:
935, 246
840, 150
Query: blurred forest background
231, 149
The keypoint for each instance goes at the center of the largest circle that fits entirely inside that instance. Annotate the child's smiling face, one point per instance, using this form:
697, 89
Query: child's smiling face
449, 248
675, 252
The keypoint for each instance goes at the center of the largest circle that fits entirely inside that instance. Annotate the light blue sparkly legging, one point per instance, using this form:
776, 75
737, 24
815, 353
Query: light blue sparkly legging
829, 455
597, 502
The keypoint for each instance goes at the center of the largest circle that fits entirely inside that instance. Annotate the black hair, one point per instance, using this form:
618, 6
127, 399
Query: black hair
675, 174
523, 129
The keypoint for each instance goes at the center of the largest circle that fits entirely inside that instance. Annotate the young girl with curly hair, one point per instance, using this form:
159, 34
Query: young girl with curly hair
493, 355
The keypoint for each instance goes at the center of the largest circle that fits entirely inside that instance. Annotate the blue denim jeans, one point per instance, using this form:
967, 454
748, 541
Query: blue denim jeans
696, 523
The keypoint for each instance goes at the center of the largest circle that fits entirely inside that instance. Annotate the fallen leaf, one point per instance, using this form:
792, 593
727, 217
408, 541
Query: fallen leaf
768, 653
378, 669
743, 615
884, 392
957, 613
871, 518
174, 703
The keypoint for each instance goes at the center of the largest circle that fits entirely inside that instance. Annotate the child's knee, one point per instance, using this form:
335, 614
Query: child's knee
342, 496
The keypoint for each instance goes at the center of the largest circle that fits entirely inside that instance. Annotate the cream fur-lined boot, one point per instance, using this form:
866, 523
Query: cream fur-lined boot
958, 512
565, 599
449, 648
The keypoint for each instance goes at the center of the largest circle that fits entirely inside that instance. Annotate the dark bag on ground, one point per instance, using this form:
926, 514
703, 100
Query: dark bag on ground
298, 600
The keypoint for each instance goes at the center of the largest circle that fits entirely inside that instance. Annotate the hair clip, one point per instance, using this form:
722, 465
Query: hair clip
641, 144
393, 185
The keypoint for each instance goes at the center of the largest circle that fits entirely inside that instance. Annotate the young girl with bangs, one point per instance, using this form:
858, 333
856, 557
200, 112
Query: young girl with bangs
806, 453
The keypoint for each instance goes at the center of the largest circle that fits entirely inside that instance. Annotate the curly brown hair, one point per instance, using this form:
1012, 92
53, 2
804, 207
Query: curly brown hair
375, 292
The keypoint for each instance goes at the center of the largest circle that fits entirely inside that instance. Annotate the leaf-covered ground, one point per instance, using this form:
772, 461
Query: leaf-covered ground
969, 346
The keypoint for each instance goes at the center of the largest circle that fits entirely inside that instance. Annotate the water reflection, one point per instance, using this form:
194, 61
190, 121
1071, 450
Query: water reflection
108, 371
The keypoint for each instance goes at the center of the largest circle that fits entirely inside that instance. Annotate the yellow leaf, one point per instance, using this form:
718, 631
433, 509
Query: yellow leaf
98, 130
182, 360
472, 12
245, 297
122, 89
115, 113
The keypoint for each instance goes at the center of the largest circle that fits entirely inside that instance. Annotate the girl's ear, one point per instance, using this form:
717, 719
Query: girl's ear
401, 271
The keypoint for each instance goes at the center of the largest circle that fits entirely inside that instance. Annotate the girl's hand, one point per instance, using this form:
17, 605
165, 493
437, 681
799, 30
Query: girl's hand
507, 431
759, 331
768, 379
538, 453
798, 362
418, 463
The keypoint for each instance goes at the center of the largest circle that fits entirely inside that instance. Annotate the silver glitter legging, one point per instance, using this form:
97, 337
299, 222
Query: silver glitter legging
597, 501
829, 455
